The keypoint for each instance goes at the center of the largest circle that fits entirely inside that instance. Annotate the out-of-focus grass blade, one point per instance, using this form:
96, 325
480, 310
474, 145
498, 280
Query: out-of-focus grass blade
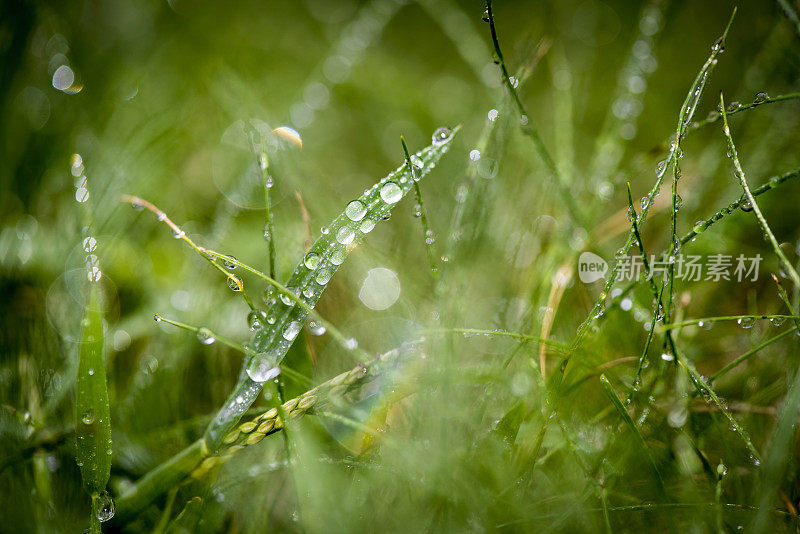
609, 391
93, 423
311, 276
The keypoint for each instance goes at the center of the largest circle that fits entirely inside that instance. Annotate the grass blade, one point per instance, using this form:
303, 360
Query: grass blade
93, 423
787, 265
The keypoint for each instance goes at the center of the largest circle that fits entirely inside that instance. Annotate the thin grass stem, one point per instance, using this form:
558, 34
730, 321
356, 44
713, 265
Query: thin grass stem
789, 268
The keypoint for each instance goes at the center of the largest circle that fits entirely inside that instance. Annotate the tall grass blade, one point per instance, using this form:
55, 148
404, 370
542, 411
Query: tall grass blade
92, 420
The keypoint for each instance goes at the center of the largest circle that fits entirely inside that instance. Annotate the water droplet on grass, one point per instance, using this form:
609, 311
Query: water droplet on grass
323, 276
229, 262
105, 507
485, 16
316, 329
367, 225
678, 202
88, 417
777, 321
256, 320
733, 106
760, 98
345, 235
337, 256
291, 330
311, 261
746, 206
746, 322
263, 368
205, 336
391, 193
661, 168
440, 135
234, 283
355, 210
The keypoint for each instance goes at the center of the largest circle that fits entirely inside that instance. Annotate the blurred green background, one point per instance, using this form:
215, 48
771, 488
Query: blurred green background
151, 96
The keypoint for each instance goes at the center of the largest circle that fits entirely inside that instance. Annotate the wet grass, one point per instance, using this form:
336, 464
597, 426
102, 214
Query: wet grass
481, 384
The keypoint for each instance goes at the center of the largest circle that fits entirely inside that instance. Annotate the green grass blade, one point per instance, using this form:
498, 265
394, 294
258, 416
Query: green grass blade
739, 172
92, 417
311, 276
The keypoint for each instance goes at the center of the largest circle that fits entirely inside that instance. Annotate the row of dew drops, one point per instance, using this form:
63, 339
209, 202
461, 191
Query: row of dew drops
321, 265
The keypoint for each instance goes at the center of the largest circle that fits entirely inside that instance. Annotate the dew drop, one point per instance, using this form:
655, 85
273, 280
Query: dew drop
311, 260
316, 329
631, 214
391, 193
485, 16
105, 507
263, 368
229, 262
746, 322
234, 283
733, 106
324, 230
89, 244
667, 357
286, 299
441, 135
367, 225
678, 202
337, 256
256, 320
661, 168
644, 202
777, 321
345, 235
88, 417
205, 336
291, 330
760, 98
323, 276
355, 210
492, 115
157, 318
475, 155
746, 206
718, 46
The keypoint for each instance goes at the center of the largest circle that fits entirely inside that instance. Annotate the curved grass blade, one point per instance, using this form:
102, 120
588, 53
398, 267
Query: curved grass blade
311, 276
93, 423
